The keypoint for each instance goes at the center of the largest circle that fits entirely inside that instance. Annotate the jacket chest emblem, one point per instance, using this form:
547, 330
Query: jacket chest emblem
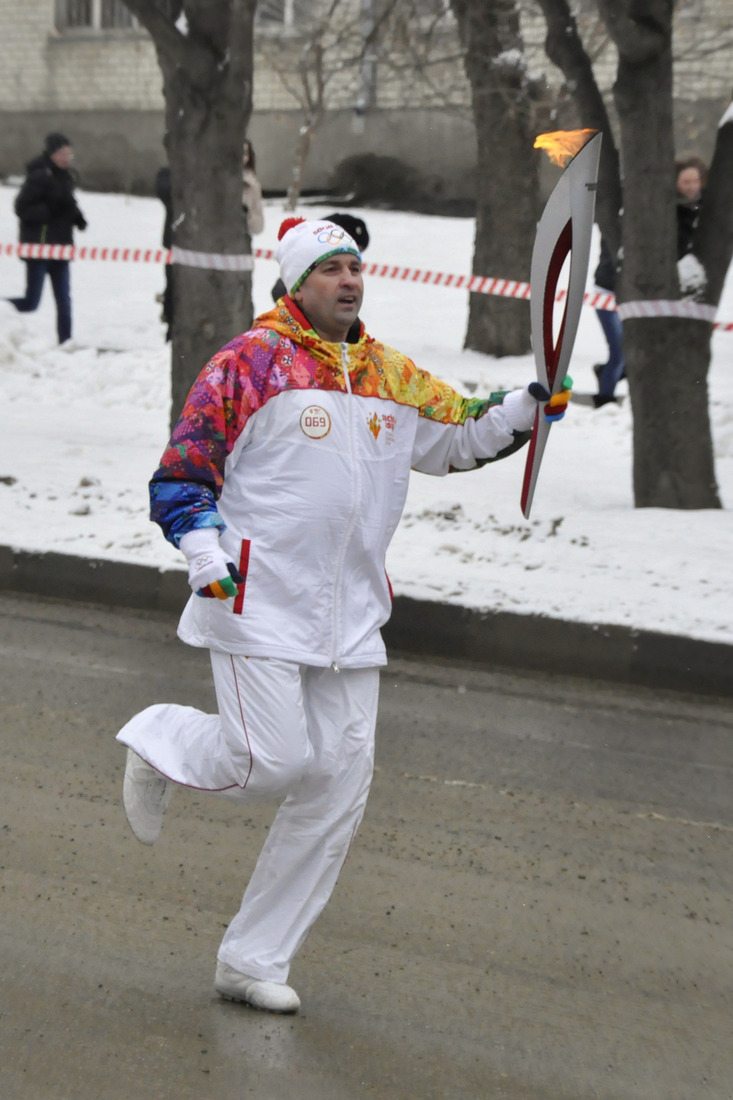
386, 422
315, 422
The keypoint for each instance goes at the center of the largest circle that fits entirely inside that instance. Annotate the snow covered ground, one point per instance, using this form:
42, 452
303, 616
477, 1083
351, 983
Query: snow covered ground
84, 429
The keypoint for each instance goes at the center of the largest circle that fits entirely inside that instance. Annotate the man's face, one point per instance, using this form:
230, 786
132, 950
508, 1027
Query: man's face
331, 296
63, 157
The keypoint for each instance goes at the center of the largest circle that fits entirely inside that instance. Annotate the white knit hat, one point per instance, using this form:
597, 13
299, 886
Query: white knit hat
305, 244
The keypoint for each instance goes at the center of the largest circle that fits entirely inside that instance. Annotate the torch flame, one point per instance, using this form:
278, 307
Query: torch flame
562, 145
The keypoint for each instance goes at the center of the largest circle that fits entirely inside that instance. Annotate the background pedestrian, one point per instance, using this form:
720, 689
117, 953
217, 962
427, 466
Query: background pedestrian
164, 193
48, 214
691, 177
251, 192
614, 369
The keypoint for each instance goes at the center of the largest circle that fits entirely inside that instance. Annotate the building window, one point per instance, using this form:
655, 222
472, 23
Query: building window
275, 15
94, 15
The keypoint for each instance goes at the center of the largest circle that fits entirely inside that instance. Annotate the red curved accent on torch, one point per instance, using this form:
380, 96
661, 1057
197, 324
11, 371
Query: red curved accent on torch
559, 256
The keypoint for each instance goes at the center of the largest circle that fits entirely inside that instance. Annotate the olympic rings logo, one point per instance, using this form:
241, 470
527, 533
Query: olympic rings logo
331, 236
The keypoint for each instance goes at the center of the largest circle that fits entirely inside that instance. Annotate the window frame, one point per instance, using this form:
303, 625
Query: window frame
94, 28
269, 26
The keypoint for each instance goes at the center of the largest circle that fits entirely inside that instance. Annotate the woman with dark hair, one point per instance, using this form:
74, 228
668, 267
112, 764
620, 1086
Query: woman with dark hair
691, 175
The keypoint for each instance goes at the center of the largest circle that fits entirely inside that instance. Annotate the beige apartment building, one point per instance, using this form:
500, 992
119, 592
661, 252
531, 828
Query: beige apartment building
84, 67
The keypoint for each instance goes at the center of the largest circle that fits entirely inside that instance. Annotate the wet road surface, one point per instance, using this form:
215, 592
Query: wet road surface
537, 905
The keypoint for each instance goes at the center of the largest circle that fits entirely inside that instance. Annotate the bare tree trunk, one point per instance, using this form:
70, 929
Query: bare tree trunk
207, 67
565, 49
667, 360
507, 205
209, 307
299, 162
714, 236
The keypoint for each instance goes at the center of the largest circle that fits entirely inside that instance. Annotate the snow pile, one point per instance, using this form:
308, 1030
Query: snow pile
85, 428
692, 277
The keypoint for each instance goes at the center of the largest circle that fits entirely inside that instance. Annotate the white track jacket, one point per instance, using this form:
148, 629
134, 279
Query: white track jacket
300, 451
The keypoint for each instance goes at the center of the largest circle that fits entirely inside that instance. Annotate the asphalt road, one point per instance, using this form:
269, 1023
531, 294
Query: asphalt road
537, 906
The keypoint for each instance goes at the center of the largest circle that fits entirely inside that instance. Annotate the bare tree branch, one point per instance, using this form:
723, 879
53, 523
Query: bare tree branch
187, 50
637, 26
565, 49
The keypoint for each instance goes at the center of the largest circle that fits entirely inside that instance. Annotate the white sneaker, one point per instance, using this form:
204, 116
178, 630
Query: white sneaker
145, 794
269, 996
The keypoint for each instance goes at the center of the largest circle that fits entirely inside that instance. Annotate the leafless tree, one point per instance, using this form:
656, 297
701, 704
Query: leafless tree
349, 53
321, 66
504, 99
668, 357
204, 49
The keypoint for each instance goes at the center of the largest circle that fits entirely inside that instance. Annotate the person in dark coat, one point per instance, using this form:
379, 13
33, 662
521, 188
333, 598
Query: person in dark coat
355, 227
165, 194
48, 214
614, 369
691, 176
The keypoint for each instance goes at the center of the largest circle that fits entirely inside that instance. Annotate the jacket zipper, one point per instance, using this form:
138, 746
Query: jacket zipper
356, 482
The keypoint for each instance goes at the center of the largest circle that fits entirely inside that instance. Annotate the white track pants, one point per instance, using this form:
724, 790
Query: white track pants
290, 731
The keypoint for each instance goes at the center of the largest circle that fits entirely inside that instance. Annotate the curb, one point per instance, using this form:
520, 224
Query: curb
418, 627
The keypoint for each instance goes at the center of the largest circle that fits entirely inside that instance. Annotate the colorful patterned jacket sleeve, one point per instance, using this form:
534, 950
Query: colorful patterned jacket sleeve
187, 484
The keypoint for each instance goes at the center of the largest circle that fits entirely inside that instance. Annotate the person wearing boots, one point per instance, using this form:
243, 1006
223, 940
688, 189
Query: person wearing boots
48, 214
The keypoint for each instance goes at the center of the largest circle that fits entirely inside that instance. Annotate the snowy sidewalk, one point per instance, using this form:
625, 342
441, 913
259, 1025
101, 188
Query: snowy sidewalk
85, 428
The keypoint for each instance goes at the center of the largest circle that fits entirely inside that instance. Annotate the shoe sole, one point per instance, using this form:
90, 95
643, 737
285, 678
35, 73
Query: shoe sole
236, 999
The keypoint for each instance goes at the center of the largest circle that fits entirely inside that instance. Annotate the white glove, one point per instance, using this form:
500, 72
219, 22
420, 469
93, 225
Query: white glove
211, 573
520, 406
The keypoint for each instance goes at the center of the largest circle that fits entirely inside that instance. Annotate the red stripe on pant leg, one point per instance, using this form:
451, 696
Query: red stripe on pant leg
241, 711
243, 567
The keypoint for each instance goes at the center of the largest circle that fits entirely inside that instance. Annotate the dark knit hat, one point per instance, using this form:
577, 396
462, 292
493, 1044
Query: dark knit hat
355, 227
54, 142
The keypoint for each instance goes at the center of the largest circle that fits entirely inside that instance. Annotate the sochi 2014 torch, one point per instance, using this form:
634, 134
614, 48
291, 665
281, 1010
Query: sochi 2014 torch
564, 229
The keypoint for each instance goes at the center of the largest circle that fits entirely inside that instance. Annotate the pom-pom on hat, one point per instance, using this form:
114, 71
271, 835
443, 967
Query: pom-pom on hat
54, 142
305, 244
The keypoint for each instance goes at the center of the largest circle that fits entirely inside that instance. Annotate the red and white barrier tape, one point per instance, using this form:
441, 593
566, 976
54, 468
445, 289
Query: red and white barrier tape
217, 261
479, 284
660, 308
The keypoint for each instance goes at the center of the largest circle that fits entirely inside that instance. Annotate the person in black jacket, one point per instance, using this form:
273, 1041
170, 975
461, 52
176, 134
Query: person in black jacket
163, 189
48, 214
614, 369
691, 176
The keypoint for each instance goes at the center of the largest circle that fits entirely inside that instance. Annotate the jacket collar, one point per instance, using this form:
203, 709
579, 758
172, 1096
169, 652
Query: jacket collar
286, 313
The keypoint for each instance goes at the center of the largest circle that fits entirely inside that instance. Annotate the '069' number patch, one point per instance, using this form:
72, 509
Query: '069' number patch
315, 422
